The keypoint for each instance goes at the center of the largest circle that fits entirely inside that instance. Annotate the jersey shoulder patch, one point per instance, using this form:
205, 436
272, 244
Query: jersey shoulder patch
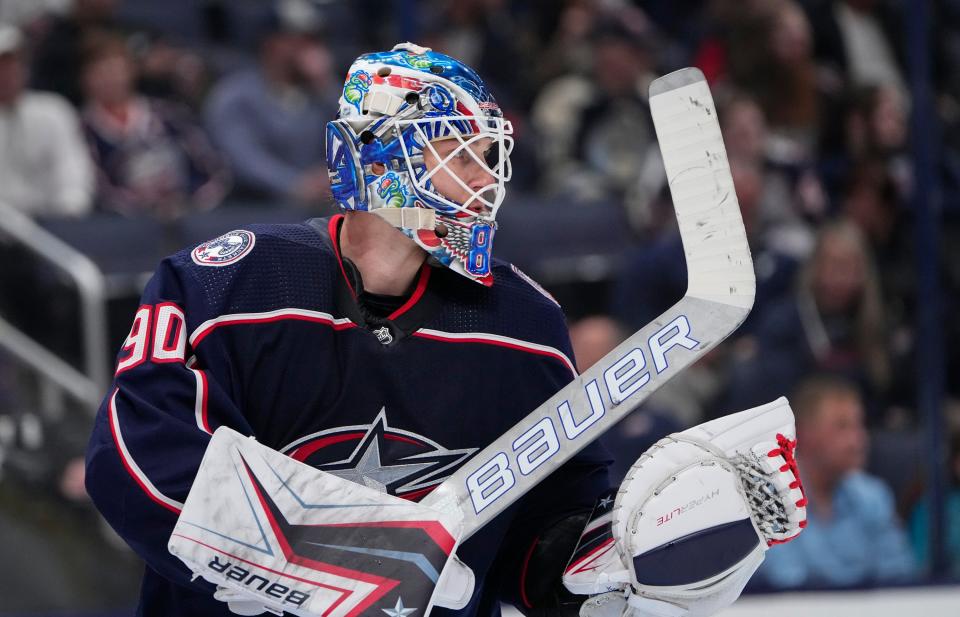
526, 278
225, 250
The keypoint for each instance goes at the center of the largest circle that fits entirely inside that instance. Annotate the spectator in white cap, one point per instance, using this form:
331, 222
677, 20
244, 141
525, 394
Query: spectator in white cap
45, 167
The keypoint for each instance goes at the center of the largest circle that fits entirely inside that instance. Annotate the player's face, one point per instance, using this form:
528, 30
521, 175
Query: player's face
463, 165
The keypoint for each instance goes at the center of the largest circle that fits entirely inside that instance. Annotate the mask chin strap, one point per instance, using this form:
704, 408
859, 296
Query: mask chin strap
408, 218
477, 262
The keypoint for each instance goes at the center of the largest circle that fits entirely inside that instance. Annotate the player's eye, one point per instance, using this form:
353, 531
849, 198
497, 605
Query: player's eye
492, 157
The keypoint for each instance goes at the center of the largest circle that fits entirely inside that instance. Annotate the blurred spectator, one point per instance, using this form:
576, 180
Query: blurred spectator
44, 165
58, 58
852, 536
270, 121
487, 35
151, 156
771, 58
791, 192
872, 201
834, 321
874, 131
859, 39
594, 130
567, 47
594, 337
920, 517
878, 126
24, 13
168, 71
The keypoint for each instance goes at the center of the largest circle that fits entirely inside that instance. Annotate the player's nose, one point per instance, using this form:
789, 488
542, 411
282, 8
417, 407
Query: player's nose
480, 177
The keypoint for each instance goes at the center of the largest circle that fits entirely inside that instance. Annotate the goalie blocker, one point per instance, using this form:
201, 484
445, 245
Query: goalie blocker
693, 518
276, 535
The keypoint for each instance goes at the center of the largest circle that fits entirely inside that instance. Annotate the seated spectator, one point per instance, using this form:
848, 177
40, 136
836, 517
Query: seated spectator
151, 156
872, 202
834, 321
853, 537
920, 517
791, 193
861, 40
871, 130
44, 164
59, 53
594, 131
771, 57
593, 337
270, 120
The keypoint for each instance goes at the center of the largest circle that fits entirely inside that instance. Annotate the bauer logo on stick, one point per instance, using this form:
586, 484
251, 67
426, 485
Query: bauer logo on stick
229, 248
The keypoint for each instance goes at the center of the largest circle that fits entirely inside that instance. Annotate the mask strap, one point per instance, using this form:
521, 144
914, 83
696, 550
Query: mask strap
409, 218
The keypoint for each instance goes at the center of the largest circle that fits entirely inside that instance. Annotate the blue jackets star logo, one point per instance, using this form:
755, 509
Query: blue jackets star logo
381, 457
398, 610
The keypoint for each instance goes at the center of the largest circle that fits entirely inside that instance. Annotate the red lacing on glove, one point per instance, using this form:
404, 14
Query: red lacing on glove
786, 449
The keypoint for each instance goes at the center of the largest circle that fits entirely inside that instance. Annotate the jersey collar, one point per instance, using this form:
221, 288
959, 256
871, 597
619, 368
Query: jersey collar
422, 304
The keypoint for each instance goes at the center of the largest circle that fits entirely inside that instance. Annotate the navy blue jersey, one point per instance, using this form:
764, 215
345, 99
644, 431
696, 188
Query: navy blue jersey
259, 330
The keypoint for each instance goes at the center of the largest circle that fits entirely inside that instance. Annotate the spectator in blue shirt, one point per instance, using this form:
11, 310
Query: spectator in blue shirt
853, 536
270, 120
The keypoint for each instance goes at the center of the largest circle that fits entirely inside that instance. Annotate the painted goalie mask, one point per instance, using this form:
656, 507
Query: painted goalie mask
395, 109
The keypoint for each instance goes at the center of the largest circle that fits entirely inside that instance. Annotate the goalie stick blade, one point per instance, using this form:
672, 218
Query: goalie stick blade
719, 296
719, 266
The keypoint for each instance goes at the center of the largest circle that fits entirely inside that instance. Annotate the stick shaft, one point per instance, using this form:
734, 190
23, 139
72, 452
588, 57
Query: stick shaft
719, 296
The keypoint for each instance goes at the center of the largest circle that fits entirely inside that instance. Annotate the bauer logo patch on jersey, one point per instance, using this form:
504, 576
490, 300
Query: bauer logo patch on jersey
229, 248
533, 284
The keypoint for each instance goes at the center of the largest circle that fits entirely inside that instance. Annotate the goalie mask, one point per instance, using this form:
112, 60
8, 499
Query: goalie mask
400, 110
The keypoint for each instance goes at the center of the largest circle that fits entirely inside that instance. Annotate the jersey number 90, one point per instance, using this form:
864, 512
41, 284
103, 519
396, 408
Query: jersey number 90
157, 331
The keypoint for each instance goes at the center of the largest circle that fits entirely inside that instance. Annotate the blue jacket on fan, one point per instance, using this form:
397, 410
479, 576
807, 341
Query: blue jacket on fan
259, 330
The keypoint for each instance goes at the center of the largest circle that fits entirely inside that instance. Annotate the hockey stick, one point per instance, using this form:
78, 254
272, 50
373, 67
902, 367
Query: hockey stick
719, 296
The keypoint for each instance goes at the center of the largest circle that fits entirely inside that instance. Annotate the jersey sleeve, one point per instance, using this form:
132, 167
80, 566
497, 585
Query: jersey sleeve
155, 422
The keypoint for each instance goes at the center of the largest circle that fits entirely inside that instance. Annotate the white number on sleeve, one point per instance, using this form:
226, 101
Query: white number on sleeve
135, 345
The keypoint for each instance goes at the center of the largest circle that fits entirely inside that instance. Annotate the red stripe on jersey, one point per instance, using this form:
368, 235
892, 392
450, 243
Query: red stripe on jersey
332, 228
301, 453
417, 293
510, 344
270, 317
523, 573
